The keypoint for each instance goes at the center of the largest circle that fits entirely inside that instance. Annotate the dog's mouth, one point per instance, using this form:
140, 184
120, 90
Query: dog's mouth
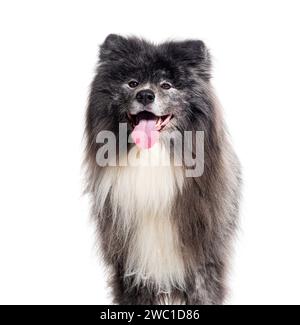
146, 128
149, 120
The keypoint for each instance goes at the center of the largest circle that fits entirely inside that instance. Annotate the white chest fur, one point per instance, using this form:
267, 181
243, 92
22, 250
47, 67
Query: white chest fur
142, 197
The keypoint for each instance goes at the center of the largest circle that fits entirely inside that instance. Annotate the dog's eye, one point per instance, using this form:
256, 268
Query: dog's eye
165, 85
133, 84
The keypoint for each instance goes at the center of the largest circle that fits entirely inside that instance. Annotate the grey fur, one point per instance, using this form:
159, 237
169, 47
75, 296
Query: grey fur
206, 212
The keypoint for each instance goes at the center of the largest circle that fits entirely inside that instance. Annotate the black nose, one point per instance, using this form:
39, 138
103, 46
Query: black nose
145, 96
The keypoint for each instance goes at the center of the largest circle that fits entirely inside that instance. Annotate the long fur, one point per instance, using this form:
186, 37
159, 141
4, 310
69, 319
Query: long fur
166, 237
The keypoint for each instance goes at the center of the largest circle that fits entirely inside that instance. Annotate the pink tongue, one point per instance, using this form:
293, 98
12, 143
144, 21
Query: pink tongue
145, 134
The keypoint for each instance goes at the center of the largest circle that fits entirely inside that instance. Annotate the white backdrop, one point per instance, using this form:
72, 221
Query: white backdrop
48, 52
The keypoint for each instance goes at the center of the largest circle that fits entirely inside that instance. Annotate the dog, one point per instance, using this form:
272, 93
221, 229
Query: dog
165, 229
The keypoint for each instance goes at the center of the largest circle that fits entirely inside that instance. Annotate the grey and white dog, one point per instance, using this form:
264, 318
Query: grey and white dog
165, 237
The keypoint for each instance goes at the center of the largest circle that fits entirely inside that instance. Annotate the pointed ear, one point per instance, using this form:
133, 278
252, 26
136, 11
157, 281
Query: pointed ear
114, 47
192, 53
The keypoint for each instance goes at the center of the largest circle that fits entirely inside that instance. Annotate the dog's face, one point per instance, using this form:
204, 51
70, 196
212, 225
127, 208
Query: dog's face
163, 84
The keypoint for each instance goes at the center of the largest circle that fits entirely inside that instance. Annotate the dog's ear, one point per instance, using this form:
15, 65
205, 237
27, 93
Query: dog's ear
113, 48
191, 53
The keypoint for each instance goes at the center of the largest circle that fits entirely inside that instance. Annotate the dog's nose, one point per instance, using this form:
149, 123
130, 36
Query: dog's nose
145, 97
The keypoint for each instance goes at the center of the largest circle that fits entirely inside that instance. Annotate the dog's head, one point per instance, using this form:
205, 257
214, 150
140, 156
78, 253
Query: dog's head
165, 85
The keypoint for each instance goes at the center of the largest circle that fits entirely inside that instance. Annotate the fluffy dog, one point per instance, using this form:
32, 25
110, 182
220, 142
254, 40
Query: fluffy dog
165, 232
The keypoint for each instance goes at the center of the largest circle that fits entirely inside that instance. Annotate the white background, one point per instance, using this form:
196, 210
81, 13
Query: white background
48, 52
